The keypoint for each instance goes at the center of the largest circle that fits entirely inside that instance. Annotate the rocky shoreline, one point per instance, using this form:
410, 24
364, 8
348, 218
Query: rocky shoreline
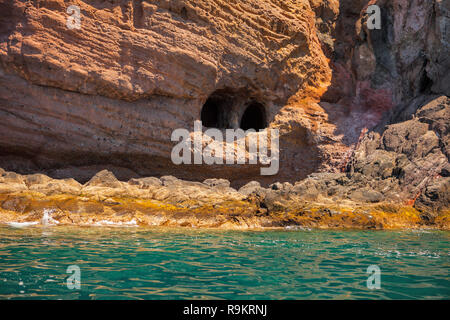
397, 177
168, 201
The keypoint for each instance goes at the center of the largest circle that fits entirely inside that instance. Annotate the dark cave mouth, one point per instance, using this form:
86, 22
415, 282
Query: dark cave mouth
254, 117
215, 112
225, 110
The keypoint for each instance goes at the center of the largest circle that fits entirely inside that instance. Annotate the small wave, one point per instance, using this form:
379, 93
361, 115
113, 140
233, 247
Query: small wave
131, 223
297, 228
22, 224
420, 231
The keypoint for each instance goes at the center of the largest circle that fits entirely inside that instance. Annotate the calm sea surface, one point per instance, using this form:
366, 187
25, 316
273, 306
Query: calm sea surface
139, 263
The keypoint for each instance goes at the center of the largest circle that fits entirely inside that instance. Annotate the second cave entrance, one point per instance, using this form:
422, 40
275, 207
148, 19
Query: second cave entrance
227, 110
254, 117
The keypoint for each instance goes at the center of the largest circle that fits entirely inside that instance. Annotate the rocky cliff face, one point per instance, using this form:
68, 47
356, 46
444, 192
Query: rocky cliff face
112, 92
345, 98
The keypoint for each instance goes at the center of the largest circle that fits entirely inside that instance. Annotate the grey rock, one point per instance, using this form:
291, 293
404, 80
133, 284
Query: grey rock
436, 195
36, 179
306, 189
249, 188
366, 195
276, 186
168, 180
146, 183
220, 183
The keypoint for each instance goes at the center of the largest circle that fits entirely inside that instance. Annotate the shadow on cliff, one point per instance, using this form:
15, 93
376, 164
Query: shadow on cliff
358, 97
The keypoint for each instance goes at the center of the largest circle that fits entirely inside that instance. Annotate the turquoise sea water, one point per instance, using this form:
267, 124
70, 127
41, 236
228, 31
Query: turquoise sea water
139, 263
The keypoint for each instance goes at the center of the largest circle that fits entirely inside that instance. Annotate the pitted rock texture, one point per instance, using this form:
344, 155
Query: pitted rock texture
404, 160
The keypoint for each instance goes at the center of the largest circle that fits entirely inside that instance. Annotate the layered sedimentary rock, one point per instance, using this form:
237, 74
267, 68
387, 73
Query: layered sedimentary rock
112, 92
363, 114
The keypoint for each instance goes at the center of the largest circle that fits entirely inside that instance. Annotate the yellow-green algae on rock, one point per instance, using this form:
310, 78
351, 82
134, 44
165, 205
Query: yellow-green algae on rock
106, 201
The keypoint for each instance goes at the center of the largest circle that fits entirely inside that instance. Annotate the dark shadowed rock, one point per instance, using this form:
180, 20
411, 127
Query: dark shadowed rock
276, 186
436, 195
380, 163
284, 188
306, 189
401, 161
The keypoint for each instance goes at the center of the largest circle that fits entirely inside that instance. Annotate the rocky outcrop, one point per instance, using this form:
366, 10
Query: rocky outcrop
108, 95
404, 160
317, 202
413, 152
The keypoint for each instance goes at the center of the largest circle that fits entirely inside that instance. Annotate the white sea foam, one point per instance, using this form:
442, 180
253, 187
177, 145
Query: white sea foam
47, 218
22, 224
297, 228
112, 223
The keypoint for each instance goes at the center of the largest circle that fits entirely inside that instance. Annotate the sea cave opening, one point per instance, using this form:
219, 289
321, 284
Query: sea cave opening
216, 111
254, 117
226, 109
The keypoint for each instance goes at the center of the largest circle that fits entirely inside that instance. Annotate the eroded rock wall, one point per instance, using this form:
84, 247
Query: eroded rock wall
112, 92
